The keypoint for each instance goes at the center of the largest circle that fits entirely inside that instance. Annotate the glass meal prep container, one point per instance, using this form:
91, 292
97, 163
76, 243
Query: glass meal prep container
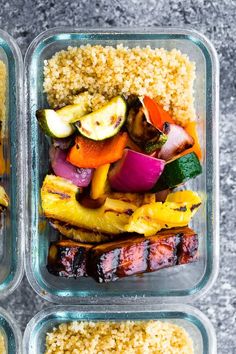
11, 229
169, 284
11, 333
194, 321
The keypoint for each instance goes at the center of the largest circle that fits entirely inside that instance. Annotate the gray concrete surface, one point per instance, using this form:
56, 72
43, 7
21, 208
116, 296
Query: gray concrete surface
216, 19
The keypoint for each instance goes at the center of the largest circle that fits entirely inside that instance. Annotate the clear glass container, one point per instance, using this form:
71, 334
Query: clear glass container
11, 230
194, 321
11, 333
167, 285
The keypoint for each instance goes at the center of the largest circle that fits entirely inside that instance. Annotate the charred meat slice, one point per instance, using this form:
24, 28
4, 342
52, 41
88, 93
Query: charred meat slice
188, 248
103, 266
68, 259
136, 255
128, 256
162, 252
133, 259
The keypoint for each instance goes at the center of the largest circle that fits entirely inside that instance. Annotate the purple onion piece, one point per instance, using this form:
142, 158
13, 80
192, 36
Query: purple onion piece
81, 177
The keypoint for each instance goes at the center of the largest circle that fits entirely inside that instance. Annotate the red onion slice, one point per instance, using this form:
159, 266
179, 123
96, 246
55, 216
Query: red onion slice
135, 172
81, 177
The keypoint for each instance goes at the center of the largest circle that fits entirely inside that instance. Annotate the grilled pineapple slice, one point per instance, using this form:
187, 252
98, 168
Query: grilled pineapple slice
59, 202
80, 235
135, 198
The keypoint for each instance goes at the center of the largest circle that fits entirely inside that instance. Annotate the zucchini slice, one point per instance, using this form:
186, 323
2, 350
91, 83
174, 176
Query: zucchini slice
53, 125
73, 112
105, 122
178, 171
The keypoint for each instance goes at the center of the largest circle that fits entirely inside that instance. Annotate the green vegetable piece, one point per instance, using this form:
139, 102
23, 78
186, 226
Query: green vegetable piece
155, 145
105, 122
52, 124
179, 171
72, 113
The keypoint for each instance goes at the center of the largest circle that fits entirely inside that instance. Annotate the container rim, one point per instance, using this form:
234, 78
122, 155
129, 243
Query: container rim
210, 49
15, 50
15, 329
190, 312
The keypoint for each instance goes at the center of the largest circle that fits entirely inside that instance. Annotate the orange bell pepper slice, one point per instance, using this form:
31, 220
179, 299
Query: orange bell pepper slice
87, 153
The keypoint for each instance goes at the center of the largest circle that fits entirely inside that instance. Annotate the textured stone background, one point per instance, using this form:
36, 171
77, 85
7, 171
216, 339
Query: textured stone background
24, 19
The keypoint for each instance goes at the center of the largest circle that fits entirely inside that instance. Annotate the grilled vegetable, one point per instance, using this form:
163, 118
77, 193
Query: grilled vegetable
86, 201
156, 114
149, 219
141, 131
68, 259
59, 202
178, 141
135, 172
152, 146
191, 129
81, 177
114, 260
179, 171
92, 154
99, 182
105, 122
53, 125
63, 143
161, 196
79, 234
188, 198
72, 113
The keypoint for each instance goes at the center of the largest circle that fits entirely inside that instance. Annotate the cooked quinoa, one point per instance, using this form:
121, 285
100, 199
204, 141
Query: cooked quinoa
129, 337
105, 72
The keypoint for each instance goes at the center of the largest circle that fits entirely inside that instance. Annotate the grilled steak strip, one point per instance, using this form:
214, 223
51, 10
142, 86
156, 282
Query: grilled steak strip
134, 255
68, 259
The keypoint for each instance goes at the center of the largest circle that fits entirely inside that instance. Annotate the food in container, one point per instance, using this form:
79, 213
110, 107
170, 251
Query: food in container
167, 284
69, 325
128, 138
119, 337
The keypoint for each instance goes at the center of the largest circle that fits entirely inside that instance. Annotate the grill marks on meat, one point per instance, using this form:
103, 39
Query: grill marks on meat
188, 249
110, 261
68, 259
136, 255
162, 252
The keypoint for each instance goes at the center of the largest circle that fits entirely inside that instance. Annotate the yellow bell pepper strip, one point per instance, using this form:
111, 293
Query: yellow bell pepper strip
151, 218
99, 181
175, 212
186, 196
